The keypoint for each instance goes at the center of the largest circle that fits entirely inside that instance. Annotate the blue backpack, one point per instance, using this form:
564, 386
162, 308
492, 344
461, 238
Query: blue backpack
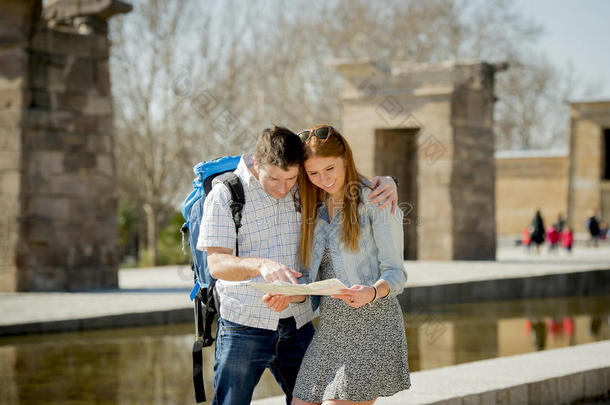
203, 294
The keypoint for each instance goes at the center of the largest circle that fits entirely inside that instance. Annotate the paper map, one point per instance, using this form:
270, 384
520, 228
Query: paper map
324, 287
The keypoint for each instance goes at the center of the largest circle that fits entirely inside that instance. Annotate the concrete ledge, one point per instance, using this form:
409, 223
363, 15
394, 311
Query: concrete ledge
585, 283
559, 376
100, 322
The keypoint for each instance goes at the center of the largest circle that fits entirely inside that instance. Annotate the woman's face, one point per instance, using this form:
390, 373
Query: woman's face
327, 173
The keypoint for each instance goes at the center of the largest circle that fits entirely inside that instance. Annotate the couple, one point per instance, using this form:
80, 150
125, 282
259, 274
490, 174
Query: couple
334, 229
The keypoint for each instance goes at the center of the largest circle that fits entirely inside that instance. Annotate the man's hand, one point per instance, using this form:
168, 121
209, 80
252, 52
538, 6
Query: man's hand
224, 266
384, 192
279, 302
274, 271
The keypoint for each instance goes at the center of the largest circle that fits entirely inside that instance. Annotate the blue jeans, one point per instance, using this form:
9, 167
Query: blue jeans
243, 353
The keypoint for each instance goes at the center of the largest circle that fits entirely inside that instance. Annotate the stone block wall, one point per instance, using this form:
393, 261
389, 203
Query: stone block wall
62, 208
527, 181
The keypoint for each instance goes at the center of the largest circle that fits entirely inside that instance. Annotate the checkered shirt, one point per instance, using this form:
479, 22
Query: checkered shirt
270, 229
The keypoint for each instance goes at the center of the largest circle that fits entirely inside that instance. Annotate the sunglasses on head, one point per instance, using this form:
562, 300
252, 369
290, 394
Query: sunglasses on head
320, 133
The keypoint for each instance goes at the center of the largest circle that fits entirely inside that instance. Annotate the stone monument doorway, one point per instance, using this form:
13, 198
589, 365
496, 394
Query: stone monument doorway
396, 154
605, 189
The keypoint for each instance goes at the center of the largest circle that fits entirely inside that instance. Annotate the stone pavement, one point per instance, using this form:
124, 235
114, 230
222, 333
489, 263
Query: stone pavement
510, 262
146, 296
160, 295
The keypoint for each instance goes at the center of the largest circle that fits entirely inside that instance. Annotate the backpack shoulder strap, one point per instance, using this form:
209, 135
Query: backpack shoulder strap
203, 322
238, 198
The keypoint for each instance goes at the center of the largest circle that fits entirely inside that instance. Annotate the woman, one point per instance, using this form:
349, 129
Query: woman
359, 351
537, 231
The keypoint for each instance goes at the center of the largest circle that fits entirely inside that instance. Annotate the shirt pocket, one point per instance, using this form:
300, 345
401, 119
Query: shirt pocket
256, 231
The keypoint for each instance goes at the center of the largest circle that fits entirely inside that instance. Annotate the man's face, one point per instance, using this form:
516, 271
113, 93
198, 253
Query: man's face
276, 181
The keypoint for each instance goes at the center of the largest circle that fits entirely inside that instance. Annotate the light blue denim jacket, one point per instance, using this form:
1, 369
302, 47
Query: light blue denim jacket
381, 247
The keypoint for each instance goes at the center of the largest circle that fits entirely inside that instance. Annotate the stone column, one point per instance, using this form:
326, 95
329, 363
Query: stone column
472, 185
17, 21
64, 232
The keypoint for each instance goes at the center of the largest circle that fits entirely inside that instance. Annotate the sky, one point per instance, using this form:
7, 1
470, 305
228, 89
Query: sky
577, 32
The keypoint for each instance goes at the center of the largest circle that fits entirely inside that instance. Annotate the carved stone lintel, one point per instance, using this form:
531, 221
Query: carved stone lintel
500, 66
61, 10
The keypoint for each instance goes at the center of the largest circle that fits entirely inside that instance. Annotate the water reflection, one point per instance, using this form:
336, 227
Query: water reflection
153, 365
122, 366
445, 335
106, 369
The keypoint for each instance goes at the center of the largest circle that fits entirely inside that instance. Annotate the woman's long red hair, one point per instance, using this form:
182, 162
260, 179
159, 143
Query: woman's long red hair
311, 196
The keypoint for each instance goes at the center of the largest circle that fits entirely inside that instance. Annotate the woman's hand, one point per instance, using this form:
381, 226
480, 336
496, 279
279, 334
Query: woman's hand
279, 303
357, 295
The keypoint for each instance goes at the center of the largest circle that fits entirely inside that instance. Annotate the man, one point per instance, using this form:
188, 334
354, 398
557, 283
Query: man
252, 336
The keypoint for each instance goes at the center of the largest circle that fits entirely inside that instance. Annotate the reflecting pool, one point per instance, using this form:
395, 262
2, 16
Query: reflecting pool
153, 365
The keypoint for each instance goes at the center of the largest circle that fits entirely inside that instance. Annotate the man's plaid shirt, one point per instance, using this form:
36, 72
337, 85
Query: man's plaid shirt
270, 230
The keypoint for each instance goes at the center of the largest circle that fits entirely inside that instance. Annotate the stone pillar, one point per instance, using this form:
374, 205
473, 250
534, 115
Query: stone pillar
448, 107
589, 189
473, 163
64, 213
17, 21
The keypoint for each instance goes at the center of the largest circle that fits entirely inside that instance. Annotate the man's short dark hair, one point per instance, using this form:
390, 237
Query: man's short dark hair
279, 146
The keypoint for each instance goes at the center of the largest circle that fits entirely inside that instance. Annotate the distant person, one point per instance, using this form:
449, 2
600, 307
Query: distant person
568, 329
592, 226
560, 223
537, 230
567, 238
525, 239
553, 237
603, 231
537, 332
595, 326
554, 327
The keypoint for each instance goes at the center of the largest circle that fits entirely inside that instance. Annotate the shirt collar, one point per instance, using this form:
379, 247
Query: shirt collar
244, 173
322, 212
